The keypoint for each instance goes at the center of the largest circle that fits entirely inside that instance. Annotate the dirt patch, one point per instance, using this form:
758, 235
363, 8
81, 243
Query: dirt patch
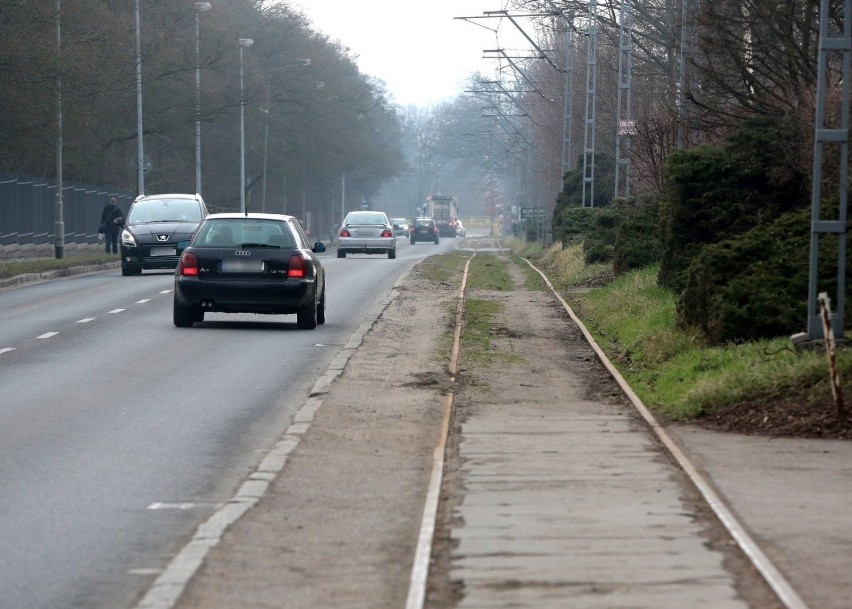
781, 419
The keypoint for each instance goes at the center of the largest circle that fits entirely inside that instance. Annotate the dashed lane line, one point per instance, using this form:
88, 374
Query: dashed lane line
85, 320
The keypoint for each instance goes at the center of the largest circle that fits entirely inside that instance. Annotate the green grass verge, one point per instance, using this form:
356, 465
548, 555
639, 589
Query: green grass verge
673, 370
487, 272
12, 268
480, 327
444, 268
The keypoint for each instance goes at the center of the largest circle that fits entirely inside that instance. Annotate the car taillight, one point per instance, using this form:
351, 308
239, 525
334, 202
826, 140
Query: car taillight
435, 229
344, 233
297, 267
387, 233
188, 265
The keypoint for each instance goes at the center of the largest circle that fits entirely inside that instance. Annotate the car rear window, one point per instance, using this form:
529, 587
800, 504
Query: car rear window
239, 232
366, 219
164, 210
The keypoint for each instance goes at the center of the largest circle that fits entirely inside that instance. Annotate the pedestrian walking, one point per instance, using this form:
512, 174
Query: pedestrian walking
112, 221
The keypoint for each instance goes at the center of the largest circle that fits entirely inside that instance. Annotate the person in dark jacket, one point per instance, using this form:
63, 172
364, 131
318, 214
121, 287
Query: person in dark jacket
112, 221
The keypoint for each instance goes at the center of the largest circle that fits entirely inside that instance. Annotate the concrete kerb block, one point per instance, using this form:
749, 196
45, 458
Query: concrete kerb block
252, 489
268, 476
161, 596
214, 528
323, 384
341, 359
272, 464
297, 429
308, 410
186, 563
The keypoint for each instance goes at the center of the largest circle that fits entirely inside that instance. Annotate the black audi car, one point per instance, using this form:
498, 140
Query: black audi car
250, 263
157, 229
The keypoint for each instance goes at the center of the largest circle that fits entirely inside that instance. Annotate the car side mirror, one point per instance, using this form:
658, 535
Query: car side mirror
319, 248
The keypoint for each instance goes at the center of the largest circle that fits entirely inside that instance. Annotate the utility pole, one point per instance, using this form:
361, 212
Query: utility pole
624, 123
568, 108
591, 84
681, 92
837, 135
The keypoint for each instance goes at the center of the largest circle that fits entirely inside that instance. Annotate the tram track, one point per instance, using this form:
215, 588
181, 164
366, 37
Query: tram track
725, 515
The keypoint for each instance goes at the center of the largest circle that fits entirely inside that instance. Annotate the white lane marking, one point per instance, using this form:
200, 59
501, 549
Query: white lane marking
143, 301
166, 292
116, 311
144, 571
47, 335
7, 349
85, 320
158, 505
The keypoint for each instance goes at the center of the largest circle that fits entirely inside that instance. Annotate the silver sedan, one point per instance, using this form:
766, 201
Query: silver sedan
366, 232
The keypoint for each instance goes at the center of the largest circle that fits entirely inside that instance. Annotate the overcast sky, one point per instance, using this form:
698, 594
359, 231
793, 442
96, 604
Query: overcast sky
419, 49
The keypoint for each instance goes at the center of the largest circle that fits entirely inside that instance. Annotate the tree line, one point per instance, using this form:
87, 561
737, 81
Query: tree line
311, 116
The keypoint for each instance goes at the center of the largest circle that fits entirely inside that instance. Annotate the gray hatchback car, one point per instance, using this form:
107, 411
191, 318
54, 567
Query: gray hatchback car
366, 232
157, 229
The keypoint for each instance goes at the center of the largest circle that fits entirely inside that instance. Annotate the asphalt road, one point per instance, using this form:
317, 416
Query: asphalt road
120, 433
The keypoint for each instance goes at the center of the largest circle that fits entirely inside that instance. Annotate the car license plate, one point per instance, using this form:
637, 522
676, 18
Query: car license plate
242, 266
163, 251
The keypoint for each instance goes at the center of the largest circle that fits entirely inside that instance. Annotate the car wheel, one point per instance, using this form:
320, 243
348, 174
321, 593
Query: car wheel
126, 271
392, 254
321, 311
184, 317
307, 317
341, 253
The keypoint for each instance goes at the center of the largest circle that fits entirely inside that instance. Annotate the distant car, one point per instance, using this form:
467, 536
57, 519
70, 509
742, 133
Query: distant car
250, 263
423, 229
366, 232
461, 231
157, 229
400, 226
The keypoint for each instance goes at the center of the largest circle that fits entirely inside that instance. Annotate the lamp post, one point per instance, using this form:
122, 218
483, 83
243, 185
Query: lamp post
58, 213
301, 62
140, 151
200, 7
244, 43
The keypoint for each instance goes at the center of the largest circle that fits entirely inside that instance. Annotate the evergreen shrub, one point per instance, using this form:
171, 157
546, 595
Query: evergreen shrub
716, 193
755, 286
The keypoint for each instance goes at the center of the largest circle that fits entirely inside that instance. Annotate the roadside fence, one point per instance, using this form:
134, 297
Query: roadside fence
27, 209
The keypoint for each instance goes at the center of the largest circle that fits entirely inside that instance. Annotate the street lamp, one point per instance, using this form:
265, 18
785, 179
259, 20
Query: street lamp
58, 213
301, 62
200, 7
244, 43
140, 152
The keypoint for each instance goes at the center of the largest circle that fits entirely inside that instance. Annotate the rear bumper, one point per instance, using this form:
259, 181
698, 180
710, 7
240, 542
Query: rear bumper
245, 296
381, 245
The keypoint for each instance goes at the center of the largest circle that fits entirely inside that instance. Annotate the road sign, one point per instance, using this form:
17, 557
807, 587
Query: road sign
627, 127
529, 213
